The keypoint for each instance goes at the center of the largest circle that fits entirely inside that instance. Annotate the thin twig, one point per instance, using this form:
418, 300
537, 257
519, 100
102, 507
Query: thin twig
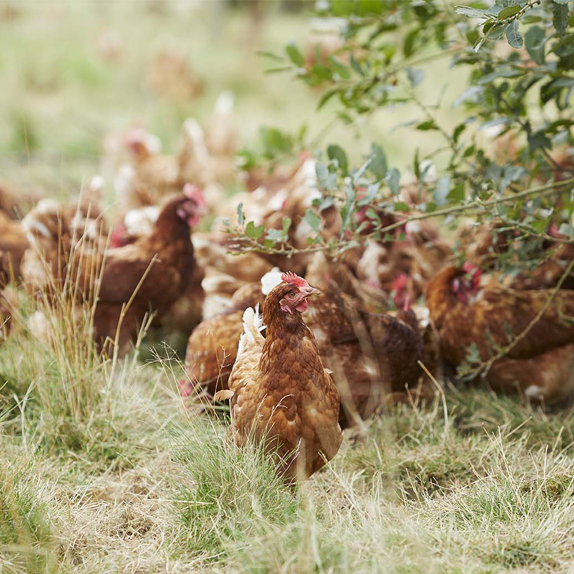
440, 390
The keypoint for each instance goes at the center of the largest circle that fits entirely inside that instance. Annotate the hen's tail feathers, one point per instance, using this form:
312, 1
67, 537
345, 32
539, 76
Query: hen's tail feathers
252, 326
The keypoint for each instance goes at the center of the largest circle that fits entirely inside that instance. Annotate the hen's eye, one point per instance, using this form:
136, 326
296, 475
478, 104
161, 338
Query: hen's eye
292, 294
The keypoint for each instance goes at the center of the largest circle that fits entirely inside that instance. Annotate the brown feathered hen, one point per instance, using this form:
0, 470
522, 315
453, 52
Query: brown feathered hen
157, 268
477, 316
55, 230
373, 356
281, 394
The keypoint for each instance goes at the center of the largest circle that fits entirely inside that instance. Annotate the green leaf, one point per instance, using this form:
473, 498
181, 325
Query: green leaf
415, 76
275, 142
539, 140
322, 174
321, 72
361, 171
456, 194
416, 164
378, 165
340, 68
313, 220
472, 94
280, 70
561, 1
471, 12
270, 55
560, 17
294, 54
326, 97
540, 225
427, 125
409, 43
508, 12
442, 190
393, 180
401, 206
338, 153
273, 236
286, 225
355, 64
458, 131
534, 40
240, 214
254, 232
504, 73
513, 35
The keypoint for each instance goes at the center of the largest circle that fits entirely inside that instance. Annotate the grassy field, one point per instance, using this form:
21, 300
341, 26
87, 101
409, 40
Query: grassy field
103, 467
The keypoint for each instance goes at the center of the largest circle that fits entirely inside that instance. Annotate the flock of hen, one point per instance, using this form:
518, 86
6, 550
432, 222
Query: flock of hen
327, 351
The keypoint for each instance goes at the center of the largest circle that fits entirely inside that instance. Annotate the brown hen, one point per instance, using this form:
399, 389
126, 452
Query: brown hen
281, 394
372, 355
477, 316
13, 245
152, 273
212, 346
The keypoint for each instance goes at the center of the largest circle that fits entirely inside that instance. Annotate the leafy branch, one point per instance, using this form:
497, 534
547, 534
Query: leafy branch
245, 242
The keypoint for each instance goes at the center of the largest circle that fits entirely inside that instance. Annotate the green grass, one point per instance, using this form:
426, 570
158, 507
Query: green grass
26, 541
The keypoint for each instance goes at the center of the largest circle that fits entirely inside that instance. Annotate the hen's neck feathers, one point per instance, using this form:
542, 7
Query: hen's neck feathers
171, 238
169, 226
287, 337
439, 296
277, 320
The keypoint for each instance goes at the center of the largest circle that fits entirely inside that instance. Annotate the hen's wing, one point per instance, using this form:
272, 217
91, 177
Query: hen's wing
13, 244
124, 269
329, 321
503, 314
547, 274
398, 349
548, 377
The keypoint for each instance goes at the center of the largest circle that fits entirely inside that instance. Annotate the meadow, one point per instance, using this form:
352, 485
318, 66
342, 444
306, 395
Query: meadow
104, 468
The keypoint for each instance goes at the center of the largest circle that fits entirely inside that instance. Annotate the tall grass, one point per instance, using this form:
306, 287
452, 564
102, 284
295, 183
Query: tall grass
226, 495
26, 537
54, 378
416, 494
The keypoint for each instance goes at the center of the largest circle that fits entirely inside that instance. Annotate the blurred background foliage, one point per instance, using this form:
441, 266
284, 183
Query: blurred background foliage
72, 71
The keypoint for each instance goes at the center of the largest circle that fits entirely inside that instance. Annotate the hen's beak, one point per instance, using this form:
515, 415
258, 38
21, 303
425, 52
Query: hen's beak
311, 291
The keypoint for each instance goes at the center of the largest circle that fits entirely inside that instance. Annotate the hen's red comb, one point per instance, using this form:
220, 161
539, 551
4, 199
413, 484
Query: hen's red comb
400, 282
469, 267
193, 192
294, 280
